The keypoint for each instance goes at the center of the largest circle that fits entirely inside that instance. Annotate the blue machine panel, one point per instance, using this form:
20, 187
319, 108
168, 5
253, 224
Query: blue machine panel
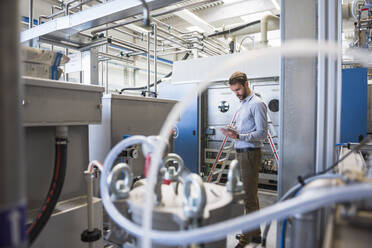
354, 104
186, 143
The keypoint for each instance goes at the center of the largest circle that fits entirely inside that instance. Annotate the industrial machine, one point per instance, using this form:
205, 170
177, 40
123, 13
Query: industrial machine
199, 124
56, 119
173, 207
122, 117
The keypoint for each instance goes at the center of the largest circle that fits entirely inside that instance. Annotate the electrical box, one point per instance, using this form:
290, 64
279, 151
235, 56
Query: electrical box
354, 104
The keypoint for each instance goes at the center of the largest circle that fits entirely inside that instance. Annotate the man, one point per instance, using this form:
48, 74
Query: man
249, 133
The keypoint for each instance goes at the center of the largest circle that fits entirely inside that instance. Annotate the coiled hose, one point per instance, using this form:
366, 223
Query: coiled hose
54, 191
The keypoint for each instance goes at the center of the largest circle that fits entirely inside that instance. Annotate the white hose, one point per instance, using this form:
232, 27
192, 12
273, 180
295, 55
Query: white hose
105, 195
306, 202
303, 48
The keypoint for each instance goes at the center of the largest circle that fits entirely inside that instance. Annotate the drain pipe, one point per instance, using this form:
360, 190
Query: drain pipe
264, 27
12, 176
31, 18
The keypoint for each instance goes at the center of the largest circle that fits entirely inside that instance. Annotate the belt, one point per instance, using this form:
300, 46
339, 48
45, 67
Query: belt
240, 150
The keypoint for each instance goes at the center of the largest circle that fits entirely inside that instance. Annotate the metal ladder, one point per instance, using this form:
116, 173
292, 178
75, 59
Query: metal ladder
224, 160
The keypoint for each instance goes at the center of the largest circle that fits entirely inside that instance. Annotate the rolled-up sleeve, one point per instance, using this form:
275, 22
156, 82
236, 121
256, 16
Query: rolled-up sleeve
259, 112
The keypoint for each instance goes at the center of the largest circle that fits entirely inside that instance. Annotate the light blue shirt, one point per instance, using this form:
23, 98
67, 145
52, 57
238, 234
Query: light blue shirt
251, 122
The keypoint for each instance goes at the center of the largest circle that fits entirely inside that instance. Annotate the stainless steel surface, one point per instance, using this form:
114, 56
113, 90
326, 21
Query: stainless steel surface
259, 68
89, 64
148, 63
298, 96
170, 216
155, 26
64, 27
89, 188
40, 156
126, 115
67, 223
30, 13
12, 178
332, 86
50, 103
305, 226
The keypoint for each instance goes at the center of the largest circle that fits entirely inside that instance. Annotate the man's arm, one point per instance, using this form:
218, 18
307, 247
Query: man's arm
260, 119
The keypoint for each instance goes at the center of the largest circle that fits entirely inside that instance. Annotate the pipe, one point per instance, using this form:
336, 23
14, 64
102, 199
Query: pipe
13, 170
95, 44
158, 82
31, 18
148, 64
304, 233
246, 37
193, 5
55, 187
295, 189
264, 27
89, 187
68, 6
128, 44
30, 13
155, 59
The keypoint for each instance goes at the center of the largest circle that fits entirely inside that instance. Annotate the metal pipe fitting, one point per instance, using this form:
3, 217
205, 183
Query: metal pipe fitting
171, 173
155, 26
193, 205
148, 64
120, 187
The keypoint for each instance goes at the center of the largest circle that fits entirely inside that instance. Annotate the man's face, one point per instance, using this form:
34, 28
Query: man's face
241, 91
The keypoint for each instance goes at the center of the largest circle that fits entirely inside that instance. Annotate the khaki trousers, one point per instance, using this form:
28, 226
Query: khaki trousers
250, 163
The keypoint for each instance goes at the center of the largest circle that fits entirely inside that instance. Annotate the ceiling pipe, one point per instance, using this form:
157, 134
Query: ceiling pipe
264, 27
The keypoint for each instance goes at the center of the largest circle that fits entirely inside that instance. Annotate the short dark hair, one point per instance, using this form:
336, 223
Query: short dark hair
238, 77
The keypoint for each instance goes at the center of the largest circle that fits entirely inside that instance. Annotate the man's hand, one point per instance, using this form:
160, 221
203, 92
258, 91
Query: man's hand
229, 132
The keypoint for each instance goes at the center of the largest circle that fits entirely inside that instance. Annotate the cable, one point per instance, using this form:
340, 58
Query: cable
54, 192
282, 236
158, 82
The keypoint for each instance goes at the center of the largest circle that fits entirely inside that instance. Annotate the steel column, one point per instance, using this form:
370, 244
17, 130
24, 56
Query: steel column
12, 176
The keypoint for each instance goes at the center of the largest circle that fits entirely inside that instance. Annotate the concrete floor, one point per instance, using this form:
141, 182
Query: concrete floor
266, 198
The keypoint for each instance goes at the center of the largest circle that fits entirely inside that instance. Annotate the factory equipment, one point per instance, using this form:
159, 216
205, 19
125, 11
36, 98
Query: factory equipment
58, 109
354, 104
183, 202
198, 136
362, 12
123, 116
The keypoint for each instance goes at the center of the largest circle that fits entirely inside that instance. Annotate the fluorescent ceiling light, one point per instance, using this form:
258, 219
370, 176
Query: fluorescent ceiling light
255, 16
195, 28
